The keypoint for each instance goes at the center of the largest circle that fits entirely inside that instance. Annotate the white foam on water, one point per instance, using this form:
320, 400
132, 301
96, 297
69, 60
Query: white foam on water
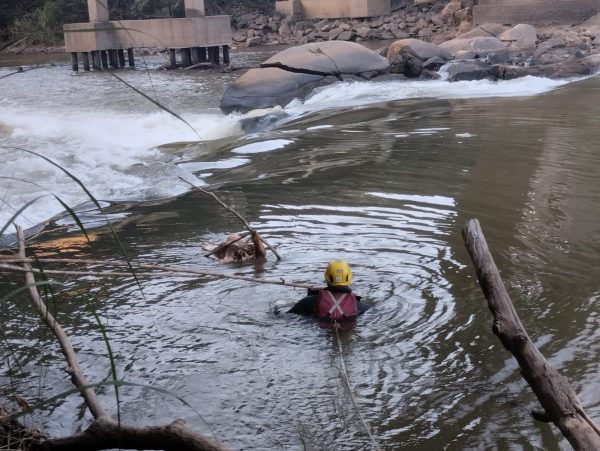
194, 166
351, 94
113, 154
262, 146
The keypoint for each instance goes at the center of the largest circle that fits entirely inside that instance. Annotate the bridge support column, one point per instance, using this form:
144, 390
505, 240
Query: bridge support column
112, 58
104, 58
172, 59
226, 59
96, 63
130, 58
186, 57
215, 55
121, 54
74, 63
86, 61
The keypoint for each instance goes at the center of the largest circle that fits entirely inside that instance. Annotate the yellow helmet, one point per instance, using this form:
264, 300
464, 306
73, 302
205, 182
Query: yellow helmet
338, 273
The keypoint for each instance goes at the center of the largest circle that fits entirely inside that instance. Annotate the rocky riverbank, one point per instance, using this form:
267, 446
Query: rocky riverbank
437, 22
427, 36
425, 40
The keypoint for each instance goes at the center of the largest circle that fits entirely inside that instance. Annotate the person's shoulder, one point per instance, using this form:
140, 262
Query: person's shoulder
313, 291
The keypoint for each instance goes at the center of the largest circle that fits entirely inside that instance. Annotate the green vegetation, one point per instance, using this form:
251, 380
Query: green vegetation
42, 20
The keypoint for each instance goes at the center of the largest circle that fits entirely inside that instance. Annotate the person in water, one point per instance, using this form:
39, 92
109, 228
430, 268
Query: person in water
336, 302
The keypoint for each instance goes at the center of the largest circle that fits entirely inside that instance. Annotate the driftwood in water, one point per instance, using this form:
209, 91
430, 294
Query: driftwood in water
104, 432
236, 249
257, 240
558, 399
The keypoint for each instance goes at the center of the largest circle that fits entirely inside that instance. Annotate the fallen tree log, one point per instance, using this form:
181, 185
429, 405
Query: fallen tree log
107, 434
553, 391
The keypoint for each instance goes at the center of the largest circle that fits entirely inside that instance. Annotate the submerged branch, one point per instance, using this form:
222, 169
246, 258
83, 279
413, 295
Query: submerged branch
558, 399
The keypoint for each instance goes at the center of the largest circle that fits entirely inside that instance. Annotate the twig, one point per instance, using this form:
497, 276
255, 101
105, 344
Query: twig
202, 64
222, 246
235, 213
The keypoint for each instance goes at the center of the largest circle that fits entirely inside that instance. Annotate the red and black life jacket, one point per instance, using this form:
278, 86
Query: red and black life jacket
335, 306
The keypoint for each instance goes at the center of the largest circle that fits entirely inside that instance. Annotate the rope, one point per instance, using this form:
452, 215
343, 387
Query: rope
352, 397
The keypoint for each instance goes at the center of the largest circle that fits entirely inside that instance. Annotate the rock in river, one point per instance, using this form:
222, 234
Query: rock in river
297, 71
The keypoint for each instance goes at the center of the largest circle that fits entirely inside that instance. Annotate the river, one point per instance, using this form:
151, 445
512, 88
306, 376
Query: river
382, 175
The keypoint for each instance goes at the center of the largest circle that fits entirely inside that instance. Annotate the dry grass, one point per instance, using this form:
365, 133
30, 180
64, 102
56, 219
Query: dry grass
13, 435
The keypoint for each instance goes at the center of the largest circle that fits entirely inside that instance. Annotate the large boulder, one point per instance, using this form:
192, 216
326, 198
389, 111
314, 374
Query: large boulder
594, 20
592, 61
297, 71
468, 70
268, 87
569, 69
329, 58
556, 55
408, 55
486, 29
480, 45
421, 49
520, 38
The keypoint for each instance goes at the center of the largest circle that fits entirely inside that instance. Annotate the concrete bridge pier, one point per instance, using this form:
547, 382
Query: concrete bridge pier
86, 61
226, 59
130, 58
74, 63
112, 58
172, 59
121, 55
104, 59
96, 62
186, 57
192, 36
190, 56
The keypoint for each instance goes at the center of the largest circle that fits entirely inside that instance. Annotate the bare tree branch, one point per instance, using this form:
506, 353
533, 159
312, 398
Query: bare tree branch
104, 432
160, 270
66, 347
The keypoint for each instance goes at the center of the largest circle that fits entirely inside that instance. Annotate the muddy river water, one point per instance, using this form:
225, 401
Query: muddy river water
381, 175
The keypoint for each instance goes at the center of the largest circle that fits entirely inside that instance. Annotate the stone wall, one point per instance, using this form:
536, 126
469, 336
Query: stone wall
534, 11
331, 9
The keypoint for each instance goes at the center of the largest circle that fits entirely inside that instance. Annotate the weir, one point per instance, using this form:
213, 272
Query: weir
197, 38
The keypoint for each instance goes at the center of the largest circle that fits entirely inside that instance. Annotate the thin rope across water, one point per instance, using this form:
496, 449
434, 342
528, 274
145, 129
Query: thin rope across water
352, 397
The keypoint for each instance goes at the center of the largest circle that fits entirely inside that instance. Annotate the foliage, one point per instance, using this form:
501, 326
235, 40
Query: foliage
44, 24
239, 7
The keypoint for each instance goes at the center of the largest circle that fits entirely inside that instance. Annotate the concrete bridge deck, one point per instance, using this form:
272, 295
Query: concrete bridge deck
164, 33
197, 37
